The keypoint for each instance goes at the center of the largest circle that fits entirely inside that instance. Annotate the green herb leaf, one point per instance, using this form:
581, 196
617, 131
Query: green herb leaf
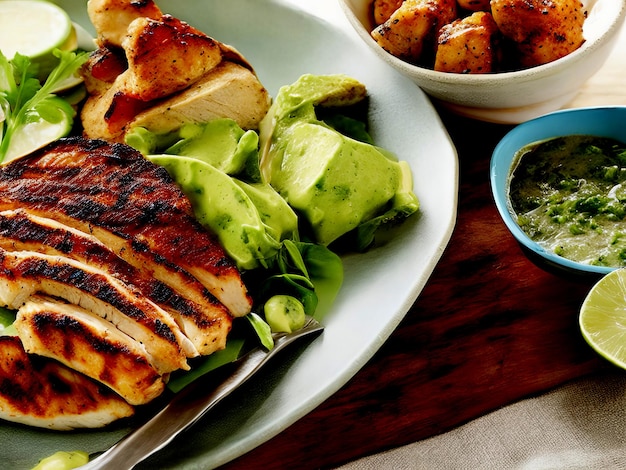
24, 100
262, 329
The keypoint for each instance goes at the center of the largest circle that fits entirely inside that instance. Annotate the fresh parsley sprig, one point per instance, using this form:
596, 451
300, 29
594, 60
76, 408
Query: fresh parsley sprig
24, 100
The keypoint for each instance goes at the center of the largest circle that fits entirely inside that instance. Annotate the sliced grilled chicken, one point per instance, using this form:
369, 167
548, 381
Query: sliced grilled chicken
111, 18
166, 56
88, 344
130, 205
37, 391
162, 57
207, 326
229, 90
102, 68
24, 273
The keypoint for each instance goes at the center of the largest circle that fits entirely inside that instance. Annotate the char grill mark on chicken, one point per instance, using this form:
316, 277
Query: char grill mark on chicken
37, 391
88, 344
23, 274
136, 210
206, 326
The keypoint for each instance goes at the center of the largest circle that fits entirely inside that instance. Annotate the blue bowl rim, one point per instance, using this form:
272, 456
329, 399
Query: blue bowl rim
558, 123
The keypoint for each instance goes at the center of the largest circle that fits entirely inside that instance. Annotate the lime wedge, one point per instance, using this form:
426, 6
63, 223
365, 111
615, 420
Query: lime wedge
34, 28
35, 135
603, 317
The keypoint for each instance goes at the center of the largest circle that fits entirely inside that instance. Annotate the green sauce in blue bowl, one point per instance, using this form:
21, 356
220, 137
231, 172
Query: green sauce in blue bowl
573, 220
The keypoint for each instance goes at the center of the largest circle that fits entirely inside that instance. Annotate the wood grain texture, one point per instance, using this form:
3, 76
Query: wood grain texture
489, 328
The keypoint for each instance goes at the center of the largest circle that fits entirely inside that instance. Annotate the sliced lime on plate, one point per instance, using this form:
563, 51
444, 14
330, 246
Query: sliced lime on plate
35, 28
603, 317
34, 135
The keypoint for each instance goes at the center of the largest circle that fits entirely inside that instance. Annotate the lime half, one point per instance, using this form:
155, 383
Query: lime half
34, 28
603, 317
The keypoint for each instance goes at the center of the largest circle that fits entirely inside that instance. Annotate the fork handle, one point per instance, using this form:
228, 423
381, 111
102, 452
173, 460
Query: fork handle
182, 412
185, 409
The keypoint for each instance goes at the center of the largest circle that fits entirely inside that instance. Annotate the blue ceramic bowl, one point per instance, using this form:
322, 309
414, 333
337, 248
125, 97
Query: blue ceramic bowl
598, 121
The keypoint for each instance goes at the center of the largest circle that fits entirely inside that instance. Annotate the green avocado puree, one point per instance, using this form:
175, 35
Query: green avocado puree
337, 183
569, 195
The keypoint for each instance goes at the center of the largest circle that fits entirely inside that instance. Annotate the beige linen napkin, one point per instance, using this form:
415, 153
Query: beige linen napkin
581, 425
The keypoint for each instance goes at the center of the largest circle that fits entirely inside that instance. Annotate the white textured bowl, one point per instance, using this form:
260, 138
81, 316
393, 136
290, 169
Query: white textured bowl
510, 97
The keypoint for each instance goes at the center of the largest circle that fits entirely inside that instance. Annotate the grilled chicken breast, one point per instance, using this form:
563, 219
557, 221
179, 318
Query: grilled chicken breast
228, 90
207, 326
88, 344
25, 273
111, 18
102, 68
166, 56
37, 391
130, 205
114, 281
159, 59
103, 259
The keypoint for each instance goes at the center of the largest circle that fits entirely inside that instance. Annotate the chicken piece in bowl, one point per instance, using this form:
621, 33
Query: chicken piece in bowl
511, 96
540, 31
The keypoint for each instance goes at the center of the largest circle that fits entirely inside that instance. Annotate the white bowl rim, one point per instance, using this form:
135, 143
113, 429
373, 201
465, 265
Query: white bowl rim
479, 80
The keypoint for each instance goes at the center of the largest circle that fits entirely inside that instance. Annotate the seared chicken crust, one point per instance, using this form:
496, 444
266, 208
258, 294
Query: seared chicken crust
88, 344
111, 18
206, 325
183, 56
25, 273
37, 391
139, 213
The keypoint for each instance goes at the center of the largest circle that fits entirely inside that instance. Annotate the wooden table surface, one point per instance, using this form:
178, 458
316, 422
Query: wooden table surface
489, 328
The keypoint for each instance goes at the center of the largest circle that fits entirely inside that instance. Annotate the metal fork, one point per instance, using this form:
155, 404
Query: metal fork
189, 405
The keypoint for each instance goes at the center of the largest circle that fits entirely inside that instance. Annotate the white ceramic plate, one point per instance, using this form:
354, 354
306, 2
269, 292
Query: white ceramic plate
282, 41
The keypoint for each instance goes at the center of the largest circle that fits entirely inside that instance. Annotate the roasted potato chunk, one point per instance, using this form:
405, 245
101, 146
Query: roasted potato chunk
383, 9
541, 30
468, 45
411, 31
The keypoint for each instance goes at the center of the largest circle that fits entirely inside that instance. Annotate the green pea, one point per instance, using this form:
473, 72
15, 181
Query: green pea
63, 461
284, 313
